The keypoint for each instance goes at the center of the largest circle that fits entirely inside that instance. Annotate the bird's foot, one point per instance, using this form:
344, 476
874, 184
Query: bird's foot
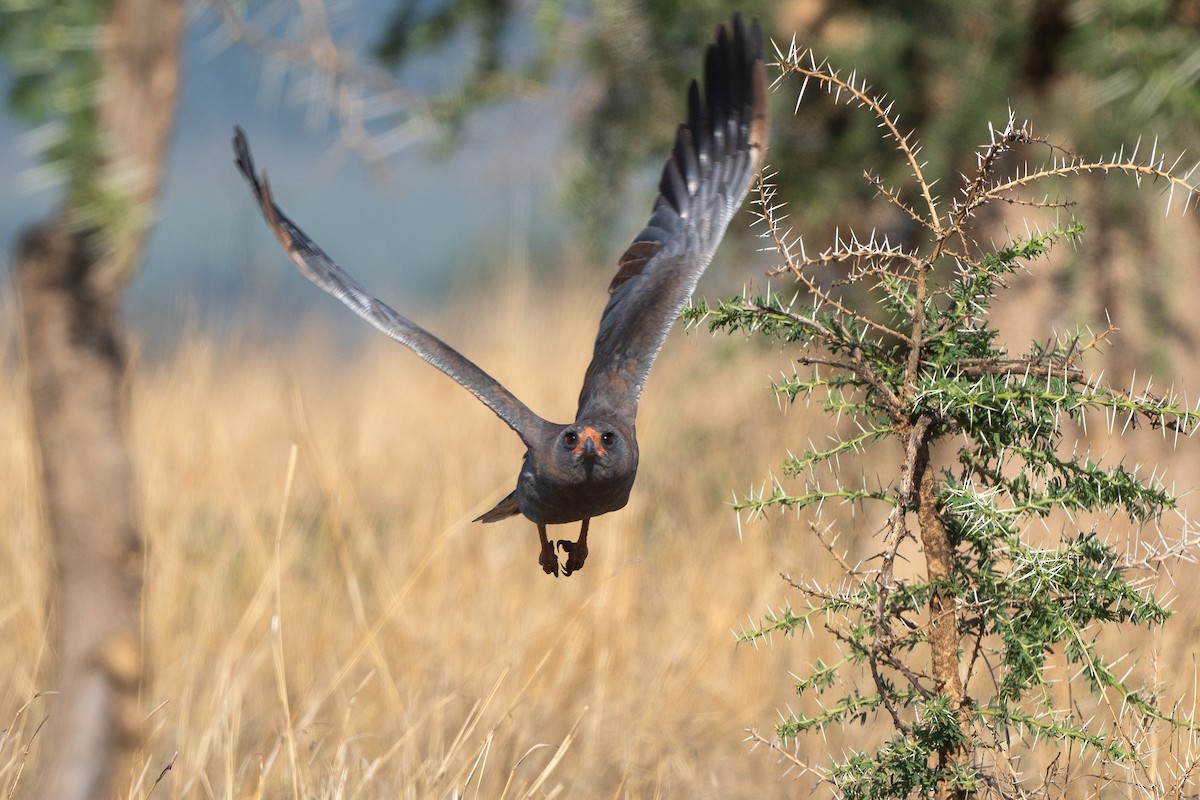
549, 560
577, 553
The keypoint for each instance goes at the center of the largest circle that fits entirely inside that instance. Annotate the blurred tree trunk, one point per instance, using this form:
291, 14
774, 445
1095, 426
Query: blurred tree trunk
70, 277
75, 371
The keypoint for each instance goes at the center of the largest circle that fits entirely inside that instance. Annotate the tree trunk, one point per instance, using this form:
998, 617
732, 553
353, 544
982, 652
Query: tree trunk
75, 371
943, 613
70, 279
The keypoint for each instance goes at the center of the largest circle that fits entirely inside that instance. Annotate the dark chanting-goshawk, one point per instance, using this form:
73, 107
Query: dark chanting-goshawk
582, 469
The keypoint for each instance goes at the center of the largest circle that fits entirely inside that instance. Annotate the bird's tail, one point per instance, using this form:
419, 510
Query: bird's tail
503, 510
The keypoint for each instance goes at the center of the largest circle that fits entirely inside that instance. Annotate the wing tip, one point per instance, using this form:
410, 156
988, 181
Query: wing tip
260, 184
726, 114
241, 154
734, 89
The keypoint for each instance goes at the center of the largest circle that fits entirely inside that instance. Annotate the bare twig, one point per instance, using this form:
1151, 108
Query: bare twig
753, 736
804, 63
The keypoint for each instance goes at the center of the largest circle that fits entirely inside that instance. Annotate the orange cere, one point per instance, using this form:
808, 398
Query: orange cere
589, 433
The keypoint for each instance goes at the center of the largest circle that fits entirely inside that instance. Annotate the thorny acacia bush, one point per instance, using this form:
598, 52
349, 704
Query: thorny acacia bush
989, 508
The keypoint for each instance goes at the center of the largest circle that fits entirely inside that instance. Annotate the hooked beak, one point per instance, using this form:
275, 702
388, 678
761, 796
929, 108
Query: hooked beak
589, 444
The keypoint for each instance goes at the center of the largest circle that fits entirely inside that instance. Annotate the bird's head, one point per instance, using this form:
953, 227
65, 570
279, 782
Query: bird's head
595, 450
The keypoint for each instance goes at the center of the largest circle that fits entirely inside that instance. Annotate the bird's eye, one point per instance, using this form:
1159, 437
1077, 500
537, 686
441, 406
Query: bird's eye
570, 438
608, 438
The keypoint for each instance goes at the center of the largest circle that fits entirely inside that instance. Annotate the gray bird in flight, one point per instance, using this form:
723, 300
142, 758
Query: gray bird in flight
579, 470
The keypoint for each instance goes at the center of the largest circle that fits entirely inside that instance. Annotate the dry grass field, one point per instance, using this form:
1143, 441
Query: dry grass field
351, 633
337, 627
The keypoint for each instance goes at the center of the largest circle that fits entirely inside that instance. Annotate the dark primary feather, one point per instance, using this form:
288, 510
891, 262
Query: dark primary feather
318, 267
716, 155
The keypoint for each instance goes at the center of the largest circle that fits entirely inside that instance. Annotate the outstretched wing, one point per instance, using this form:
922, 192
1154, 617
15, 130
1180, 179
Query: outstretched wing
716, 155
321, 270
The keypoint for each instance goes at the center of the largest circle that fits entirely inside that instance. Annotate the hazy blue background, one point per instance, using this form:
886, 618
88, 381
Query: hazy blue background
433, 224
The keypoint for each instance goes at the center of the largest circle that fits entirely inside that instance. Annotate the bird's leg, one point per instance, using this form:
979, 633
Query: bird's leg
548, 558
577, 552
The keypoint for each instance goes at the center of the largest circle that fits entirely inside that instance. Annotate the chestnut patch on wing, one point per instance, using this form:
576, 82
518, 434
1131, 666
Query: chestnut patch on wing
633, 261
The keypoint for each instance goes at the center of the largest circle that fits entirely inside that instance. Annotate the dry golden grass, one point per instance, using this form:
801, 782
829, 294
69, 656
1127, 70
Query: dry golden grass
351, 633
342, 629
